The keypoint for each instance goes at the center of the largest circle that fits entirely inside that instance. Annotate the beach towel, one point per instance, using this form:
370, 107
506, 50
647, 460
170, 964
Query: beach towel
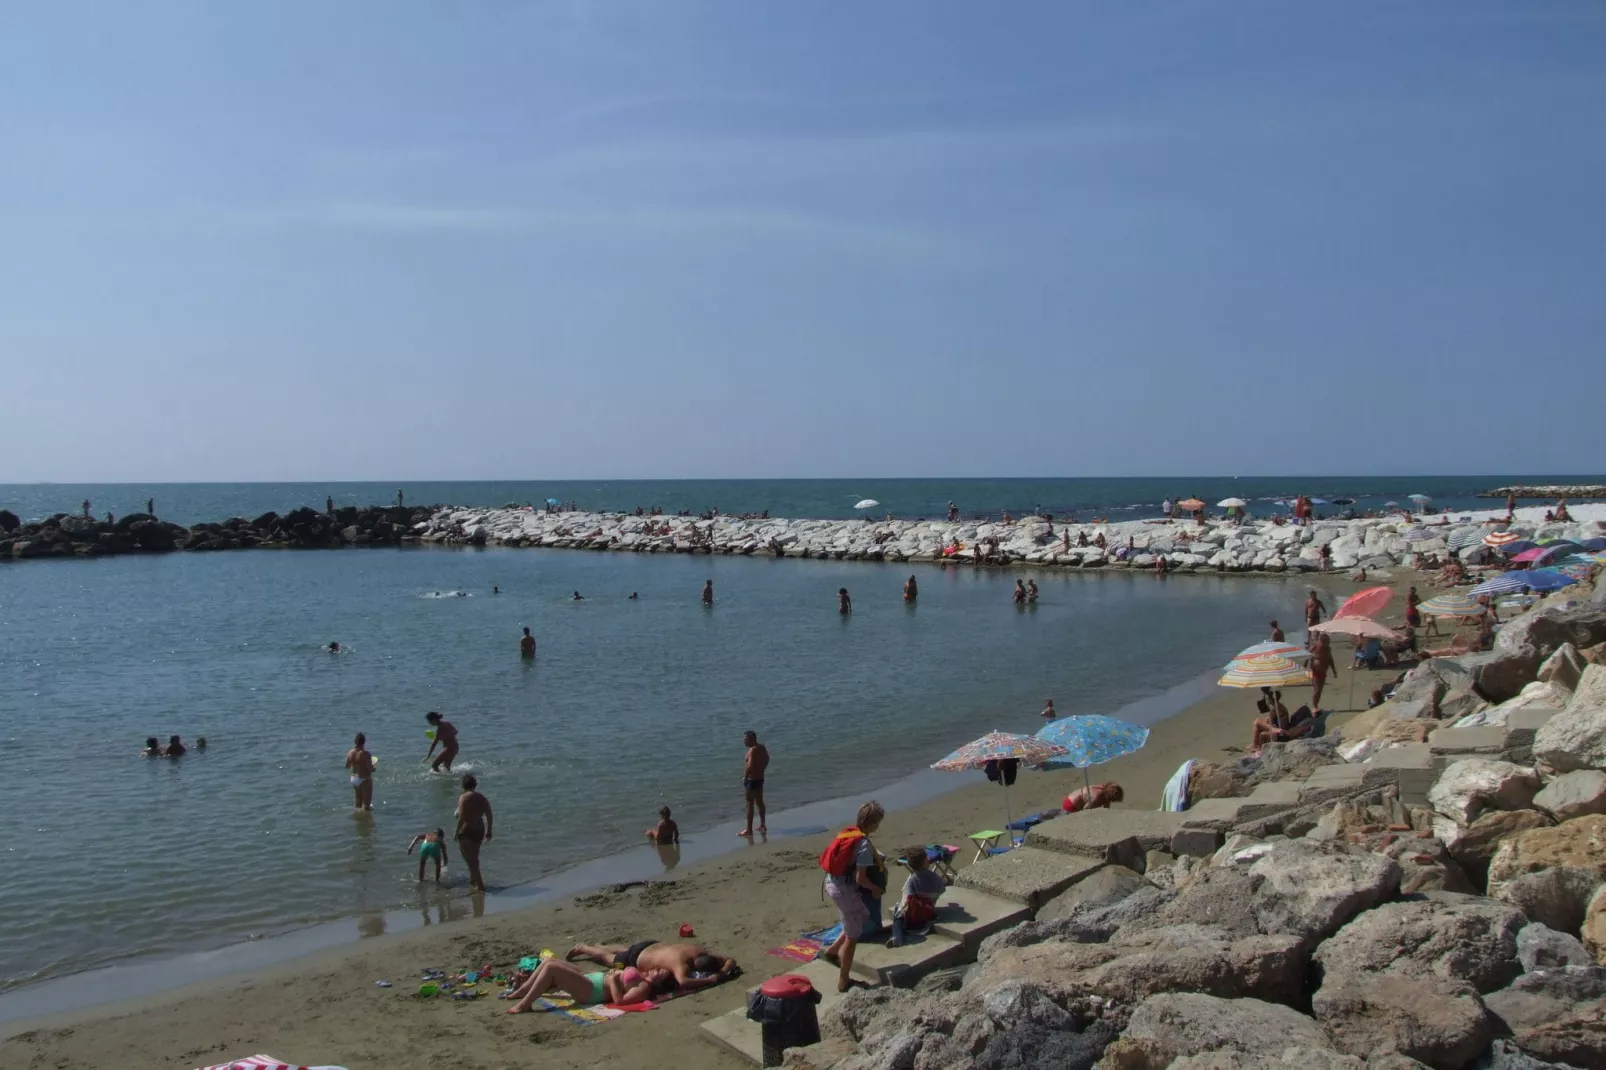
593, 1014
1175, 795
266, 1062
807, 947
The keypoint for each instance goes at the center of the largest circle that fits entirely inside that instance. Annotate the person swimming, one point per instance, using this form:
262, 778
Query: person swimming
634, 596
333, 647
175, 748
153, 749
578, 597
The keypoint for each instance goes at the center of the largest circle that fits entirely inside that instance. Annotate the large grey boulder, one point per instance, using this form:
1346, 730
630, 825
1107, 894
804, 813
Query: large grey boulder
1468, 787
1558, 896
1312, 890
1084, 923
1472, 846
1445, 935
1551, 873
1563, 668
1180, 1024
1438, 1022
1575, 794
1547, 628
1575, 738
1104, 887
1290, 1059
1539, 947
1556, 1014
1426, 866
1593, 930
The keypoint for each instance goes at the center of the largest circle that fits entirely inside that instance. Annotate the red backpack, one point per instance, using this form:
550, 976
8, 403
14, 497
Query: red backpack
837, 858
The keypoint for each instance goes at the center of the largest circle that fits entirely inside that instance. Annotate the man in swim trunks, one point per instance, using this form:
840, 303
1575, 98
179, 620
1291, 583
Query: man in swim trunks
682, 960
360, 764
527, 645
753, 767
473, 829
1314, 609
445, 738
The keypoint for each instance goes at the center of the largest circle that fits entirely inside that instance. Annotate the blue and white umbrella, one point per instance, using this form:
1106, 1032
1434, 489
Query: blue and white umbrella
1466, 537
1091, 739
1420, 534
1506, 581
1419, 498
1545, 580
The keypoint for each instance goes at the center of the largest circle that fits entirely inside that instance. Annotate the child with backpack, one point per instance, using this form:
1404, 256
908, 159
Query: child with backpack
848, 861
918, 907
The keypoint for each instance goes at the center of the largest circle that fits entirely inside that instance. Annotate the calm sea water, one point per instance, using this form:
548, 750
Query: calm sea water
629, 705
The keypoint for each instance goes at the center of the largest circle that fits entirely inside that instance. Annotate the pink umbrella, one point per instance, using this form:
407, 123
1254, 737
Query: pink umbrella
1529, 555
1362, 627
1367, 603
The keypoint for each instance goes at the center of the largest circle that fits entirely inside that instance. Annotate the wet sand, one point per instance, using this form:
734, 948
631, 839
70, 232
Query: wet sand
326, 1007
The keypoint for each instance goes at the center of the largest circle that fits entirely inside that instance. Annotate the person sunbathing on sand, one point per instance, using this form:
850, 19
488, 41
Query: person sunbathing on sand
691, 967
619, 987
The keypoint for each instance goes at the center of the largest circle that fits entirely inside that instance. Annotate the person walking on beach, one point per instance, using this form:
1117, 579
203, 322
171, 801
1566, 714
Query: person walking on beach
527, 645
844, 604
1166, 508
1314, 609
708, 593
473, 829
754, 765
1320, 665
1327, 557
1511, 505
911, 591
445, 739
360, 764
849, 863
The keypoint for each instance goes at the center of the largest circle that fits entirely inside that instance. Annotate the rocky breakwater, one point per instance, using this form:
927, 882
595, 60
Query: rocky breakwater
1261, 546
64, 535
1466, 928
1549, 490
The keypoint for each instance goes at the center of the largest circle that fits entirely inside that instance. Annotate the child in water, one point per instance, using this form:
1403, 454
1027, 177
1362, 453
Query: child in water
430, 845
666, 831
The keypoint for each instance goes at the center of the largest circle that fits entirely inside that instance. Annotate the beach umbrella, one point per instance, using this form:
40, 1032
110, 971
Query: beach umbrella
553, 501
1499, 539
1231, 503
998, 747
1452, 604
1190, 505
868, 503
1466, 537
1594, 545
1391, 505
1367, 603
1506, 581
1419, 498
1545, 580
1578, 570
1091, 739
1528, 555
1264, 670
1361, 627
1339, 501
1282, 650
1555, 551
1420, 534
1520, 546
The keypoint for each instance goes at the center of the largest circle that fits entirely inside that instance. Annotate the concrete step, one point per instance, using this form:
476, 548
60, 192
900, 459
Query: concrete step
1027, 875
736, 1034
970, 916
1480, 741
1122, 836
874, 961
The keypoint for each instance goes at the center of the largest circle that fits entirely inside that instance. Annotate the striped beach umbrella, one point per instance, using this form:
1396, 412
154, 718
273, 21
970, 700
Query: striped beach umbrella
1264, 670
999, 747
1555, 551
1270, 647
1499, 539
1506, 581
1420, 534
1452, 604
1466, 537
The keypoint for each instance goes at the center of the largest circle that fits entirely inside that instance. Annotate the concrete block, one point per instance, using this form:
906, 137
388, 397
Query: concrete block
1107, 834
1405, 756
901, 966
1463, 742
1530, 718
1270, 798
1027, 875
969, 916
1218, 814
1196, 842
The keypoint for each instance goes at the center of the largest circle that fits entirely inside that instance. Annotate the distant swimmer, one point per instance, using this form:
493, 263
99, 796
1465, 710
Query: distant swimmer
578, 597
1020, 593
360, 764
708, 593
911, 590
1277, 635
1048, 711
153, 748
844, 604
527, 645
495, 589
333, 647
445, 739
1031, 590
200, 744
634, 596
175, 748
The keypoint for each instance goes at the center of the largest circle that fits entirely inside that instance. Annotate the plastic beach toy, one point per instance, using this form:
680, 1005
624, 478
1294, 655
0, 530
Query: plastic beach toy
528, 963
428, 988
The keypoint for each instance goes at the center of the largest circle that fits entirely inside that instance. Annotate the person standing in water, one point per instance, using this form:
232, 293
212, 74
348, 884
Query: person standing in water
754, 765
844, 604
708, 593
527, 645
1031, 590
445, 738
473, 829
360, 764
1020, 593
911, 591
1049, 713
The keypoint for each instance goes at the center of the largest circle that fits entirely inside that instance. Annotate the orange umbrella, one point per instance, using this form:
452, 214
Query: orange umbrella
1192, 505
1367, 603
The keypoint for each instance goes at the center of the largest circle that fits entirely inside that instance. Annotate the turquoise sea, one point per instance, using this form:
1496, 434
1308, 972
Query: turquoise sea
629, 705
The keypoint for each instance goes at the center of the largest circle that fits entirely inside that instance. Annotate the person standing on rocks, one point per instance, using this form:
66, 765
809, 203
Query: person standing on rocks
473, 829
445, 739
754, 765
400, 500
953, 512
708, 593
86, 508
527, 645
150, 506
329, 505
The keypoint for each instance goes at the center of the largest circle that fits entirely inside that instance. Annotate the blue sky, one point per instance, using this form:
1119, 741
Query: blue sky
684, 239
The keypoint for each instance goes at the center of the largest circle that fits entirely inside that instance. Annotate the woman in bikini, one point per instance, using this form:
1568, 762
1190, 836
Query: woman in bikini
620, 987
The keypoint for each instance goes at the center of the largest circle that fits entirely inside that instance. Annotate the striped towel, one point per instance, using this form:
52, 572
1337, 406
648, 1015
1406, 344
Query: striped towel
1175, 795
266, 1062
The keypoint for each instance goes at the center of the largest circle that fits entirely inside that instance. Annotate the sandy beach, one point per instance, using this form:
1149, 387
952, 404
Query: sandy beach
327, 1007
